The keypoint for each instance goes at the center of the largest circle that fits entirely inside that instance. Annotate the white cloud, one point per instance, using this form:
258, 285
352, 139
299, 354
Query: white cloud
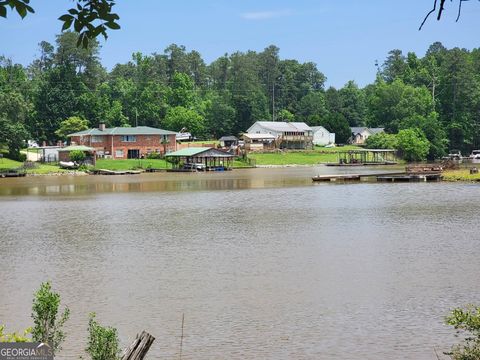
265, 15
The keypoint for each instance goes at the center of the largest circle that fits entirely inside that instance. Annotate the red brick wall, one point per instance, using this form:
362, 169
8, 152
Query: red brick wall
143, 143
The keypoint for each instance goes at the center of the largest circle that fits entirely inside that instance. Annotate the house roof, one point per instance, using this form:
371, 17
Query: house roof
200, 152
376, 130
259, 136
139, 130
319, 128
228, 138
283, 126
372, 131
358, 130
77, 147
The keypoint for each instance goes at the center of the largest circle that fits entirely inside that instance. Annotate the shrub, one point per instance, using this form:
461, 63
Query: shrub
154, 155
48, 325
77, 156
466, 321
102, 341
14, 337
413, 145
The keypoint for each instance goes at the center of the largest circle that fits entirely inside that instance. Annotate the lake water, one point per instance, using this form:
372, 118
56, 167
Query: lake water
263, 263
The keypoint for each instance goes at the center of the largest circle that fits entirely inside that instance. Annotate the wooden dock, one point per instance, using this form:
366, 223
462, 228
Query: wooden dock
116, 172
382, 177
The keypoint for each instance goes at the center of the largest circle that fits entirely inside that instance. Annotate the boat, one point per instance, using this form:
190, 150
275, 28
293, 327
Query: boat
475, 156
68, 165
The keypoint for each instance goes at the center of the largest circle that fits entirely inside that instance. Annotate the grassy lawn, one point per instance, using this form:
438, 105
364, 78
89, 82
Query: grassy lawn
132, 164
40, 169
460, 175
9, 164
305, 157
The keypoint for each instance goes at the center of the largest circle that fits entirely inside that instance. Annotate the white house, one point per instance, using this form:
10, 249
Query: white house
288, 135
322, 136
361, 134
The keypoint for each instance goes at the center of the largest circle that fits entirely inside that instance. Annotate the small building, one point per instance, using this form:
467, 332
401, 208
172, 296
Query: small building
64, 153
322, 136
48, 153
288, 135
126, 142
201, 159
259, 142
228, 141
361, 134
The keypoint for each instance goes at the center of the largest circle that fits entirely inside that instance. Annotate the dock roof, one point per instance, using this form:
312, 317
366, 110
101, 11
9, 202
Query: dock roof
199, 152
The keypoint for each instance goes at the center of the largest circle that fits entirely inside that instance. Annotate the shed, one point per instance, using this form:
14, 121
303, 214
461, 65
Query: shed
228, 141
322, 136
259, 142
64, 153
201, 159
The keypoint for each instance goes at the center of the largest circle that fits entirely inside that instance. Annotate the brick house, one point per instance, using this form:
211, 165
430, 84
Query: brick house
126, 142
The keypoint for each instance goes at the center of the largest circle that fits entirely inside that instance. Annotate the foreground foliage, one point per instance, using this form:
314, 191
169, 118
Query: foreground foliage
48, 323
466, 321
103, 341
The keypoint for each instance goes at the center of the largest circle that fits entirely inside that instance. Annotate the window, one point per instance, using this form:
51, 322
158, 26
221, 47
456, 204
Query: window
128, 138
165, 139
97, 138
119, 153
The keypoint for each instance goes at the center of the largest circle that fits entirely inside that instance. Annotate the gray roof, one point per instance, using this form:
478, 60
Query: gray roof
283, 126
358, 130
200, 152
228, 138
139, 130
376, 130
317, 128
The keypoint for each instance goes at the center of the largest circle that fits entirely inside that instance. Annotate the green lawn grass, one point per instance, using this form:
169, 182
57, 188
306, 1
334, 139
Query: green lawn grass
460, 175
132, 164
9, 164
40, 169
304, 157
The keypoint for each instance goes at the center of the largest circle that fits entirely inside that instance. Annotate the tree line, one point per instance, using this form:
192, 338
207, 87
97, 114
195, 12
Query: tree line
438, 95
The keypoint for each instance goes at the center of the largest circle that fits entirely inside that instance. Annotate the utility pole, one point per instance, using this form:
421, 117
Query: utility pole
273, 101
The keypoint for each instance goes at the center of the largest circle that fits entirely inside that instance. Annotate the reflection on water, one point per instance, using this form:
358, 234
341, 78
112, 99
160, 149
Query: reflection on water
271, 267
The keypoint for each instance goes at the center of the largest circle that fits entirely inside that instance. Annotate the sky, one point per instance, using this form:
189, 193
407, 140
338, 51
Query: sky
344, 38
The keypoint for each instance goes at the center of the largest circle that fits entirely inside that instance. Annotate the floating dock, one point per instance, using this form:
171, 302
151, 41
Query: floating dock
382, 177
116, 172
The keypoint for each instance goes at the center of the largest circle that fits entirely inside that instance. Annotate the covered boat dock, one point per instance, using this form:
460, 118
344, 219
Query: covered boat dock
360, 157
200, 159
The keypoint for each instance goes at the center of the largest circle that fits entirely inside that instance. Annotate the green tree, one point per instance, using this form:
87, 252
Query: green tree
336, 123
285, 115
71, 125
48, 323
179, 117
90, 18
382, 141
13, 135
412, 144
103, 341
220, 116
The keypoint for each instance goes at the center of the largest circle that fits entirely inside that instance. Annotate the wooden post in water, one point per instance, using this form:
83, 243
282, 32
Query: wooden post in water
139, 348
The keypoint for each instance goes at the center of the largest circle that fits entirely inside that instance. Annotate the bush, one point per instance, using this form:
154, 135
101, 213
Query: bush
382, 141
466, 320
102, 341
77, 156
413, 145
14, 337
47, 326
154, 155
